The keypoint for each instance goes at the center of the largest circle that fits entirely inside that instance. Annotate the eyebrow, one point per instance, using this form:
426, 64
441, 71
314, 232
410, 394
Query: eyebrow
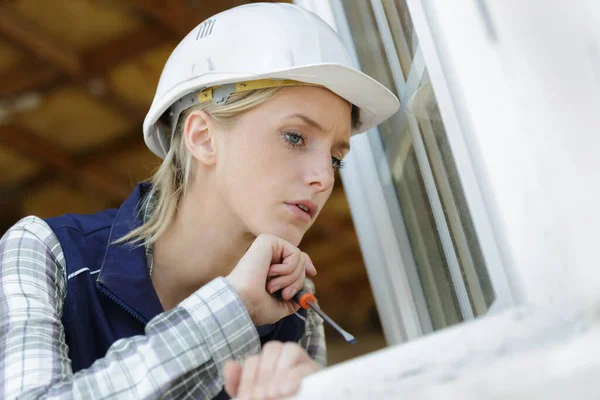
343, 145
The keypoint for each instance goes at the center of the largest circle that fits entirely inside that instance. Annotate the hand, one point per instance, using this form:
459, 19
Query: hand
275, 373
285, 265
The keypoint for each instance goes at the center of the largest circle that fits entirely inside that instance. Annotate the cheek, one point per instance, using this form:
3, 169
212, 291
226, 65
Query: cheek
261, 161
252, 171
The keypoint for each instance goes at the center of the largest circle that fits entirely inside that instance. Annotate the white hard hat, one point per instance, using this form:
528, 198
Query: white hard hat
248, 46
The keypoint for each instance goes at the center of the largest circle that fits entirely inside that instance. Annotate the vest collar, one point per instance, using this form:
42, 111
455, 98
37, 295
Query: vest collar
124, 273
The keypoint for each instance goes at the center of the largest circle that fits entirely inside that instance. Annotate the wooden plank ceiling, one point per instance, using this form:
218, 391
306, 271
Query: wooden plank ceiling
76, 78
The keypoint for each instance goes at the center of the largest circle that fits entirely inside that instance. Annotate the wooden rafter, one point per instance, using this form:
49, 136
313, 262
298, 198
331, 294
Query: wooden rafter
23, 32
114, 52
27, 35
180, 17
92, 175
11, 197
173, 16
26, 77
39, 76
104, 152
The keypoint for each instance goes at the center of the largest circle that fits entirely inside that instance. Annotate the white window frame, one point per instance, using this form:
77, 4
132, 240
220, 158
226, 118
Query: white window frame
371, 195
518, 85
373, 218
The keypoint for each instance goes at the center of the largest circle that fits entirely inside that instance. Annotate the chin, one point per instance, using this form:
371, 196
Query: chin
288, 233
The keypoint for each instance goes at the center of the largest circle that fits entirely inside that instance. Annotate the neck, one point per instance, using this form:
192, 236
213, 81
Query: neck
203, 242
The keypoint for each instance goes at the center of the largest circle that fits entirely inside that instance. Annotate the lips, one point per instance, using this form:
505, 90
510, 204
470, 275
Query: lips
305, 206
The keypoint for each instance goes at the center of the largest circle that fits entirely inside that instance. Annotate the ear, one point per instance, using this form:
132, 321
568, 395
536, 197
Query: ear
199, 139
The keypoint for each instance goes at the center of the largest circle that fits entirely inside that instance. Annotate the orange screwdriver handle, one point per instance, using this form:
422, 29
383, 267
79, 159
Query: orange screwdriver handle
303, 298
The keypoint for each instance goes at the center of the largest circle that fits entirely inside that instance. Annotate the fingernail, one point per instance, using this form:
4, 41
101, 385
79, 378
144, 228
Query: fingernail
274, 289
258, 394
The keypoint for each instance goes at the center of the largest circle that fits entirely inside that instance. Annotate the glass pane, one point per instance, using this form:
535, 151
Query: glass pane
427, 113
420, 118
367, 41
426, 247
405, 39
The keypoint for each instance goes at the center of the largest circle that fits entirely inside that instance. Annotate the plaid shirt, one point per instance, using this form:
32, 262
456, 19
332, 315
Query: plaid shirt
180, 356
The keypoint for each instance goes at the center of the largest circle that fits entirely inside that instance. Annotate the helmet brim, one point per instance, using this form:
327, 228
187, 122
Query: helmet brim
375, 102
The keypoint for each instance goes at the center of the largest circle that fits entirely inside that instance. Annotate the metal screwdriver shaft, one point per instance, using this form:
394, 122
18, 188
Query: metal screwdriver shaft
307, 300
348, 337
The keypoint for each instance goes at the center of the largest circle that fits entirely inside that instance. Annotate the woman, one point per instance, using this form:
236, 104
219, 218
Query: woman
172, 293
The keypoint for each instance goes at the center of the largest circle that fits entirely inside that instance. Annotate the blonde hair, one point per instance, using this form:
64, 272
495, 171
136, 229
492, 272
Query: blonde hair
172, 178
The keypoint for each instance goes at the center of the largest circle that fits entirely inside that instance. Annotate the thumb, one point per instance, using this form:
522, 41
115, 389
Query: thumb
233, 374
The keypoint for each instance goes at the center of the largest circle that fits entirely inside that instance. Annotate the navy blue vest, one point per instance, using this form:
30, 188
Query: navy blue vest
109, 291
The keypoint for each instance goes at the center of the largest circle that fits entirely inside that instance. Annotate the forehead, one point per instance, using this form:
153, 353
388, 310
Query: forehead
321, 105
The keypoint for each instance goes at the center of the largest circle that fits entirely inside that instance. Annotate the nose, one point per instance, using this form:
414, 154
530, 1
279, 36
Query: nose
320, 174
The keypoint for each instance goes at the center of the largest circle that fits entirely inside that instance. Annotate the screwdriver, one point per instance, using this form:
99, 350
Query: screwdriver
306, 300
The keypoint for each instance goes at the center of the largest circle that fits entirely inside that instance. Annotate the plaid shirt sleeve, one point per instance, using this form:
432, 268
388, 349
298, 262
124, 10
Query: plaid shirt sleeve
178, 357
313, 340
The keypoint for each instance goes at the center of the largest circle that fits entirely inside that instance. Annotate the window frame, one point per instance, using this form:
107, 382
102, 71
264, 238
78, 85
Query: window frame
527, 118
371, 195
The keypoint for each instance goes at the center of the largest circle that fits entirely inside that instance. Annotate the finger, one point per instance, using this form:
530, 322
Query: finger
282, 250
310, 268
232, 372
269, 249
291, 355
290, 384
287, 268
248, 379
288, 307
280, 308
283, 281
294, 265
269, 358
261, 253
281, 269
295, 287
290, 284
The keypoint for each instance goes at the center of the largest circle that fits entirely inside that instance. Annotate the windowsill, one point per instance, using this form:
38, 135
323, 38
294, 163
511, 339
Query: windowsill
524, 352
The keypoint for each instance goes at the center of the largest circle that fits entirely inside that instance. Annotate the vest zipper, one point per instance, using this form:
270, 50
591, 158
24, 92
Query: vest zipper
123, 305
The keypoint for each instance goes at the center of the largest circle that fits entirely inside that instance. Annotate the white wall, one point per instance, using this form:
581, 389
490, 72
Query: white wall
530, 99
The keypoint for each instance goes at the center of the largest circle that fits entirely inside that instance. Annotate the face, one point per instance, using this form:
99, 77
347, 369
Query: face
276, 166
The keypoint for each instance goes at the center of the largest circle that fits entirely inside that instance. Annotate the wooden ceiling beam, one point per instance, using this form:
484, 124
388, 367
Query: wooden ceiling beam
11, 198
165, 15
38, 76
92, 159
55, 157
27, 77
27, 35
178, 17
114, 52
102, 153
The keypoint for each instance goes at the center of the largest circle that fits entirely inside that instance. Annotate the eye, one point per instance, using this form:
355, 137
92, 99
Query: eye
293, 138
337, 163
